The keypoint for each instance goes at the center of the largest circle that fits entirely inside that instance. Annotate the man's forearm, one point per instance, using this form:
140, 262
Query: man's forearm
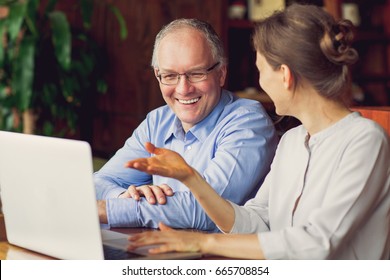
102, 212
127, 212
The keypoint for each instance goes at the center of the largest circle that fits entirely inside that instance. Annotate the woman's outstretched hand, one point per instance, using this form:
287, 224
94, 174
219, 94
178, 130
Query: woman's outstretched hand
165, 163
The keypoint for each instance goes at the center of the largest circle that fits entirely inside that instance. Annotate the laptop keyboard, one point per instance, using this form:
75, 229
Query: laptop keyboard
111, 253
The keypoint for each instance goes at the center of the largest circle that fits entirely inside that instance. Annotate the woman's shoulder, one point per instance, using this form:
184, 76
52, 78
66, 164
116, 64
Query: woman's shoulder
365, 126
360, 131
352, 126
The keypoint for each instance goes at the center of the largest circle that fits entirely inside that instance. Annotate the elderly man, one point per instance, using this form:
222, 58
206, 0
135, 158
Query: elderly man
230, 141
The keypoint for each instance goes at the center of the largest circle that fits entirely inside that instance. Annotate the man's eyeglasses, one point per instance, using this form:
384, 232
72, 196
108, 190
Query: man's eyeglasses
171, 79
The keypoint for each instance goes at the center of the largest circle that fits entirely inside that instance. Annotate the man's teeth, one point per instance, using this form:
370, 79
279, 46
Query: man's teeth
188, 101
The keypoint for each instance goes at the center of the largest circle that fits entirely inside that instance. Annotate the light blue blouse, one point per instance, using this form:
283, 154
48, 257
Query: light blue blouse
232, 148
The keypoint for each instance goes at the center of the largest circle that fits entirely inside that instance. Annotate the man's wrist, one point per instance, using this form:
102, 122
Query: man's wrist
102, 211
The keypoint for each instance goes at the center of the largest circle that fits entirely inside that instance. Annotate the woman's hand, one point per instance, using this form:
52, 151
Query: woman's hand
165, 163
152, 193
242, 246
170, 240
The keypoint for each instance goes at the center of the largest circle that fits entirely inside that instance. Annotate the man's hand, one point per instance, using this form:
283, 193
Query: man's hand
152, 193
102, 211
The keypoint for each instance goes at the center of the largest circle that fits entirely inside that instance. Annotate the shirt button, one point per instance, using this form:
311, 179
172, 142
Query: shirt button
189, 148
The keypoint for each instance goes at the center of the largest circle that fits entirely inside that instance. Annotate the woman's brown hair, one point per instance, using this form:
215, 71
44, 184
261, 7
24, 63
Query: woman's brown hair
312, 44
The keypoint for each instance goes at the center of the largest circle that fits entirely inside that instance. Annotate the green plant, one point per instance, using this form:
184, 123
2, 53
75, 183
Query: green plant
49, 69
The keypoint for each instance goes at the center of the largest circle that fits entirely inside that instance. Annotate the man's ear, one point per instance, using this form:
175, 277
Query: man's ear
288, 78
222, 78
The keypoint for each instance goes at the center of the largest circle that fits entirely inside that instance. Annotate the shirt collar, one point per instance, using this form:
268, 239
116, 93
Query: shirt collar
202, 129
341, 124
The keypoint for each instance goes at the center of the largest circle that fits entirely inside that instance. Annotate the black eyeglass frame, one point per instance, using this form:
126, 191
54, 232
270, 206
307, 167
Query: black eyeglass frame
178, 75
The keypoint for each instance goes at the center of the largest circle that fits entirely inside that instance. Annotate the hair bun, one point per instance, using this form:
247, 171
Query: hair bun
343, 35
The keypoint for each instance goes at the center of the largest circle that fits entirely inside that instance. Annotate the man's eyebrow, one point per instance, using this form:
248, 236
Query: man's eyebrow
196, 68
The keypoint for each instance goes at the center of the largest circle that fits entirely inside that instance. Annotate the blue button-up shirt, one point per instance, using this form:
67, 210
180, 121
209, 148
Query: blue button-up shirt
232, 148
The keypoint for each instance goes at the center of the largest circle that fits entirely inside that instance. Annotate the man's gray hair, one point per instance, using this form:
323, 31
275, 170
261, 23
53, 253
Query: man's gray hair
208, 31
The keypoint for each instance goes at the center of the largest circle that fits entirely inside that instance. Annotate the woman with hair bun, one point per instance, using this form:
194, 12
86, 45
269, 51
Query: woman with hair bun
327, 195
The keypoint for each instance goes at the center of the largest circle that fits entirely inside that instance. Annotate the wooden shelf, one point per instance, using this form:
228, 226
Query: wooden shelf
371, 72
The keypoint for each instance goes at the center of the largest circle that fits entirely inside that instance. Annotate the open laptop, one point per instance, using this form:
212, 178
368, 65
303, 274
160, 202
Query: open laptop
49, 202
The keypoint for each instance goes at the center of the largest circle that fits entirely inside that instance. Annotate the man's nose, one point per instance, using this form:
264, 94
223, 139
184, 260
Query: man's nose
183, 86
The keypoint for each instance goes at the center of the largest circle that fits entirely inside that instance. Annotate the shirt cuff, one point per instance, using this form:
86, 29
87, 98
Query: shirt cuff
122, 212
233, 205
105, 189
114, 193
245, 220
272, 245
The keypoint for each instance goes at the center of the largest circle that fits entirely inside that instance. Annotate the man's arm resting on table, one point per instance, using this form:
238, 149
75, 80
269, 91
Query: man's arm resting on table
101, 204
128, 212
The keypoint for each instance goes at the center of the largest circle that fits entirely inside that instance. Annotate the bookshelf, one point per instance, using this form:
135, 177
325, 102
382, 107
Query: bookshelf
371, 74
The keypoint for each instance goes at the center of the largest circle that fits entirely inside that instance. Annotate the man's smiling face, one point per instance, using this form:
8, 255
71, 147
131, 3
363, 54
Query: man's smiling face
186, 51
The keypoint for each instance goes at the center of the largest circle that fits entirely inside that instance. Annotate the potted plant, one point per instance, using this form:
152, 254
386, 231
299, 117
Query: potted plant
50, 71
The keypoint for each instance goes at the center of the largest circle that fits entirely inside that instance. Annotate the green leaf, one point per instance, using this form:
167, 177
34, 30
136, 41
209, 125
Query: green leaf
23, 74
31, 16
102, 86
6, 118
88, 62
15, 19
71, 118
69, 86
121, 21
2, 92
7, 2
2, 50
61, 38
50, 6
87, 7
9, 121
48, 128
49, 92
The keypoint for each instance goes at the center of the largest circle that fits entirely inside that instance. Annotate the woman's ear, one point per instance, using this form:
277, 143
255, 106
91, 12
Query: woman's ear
288, 78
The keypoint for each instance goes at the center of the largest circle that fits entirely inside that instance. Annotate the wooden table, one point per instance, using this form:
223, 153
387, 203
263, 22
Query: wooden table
12, 252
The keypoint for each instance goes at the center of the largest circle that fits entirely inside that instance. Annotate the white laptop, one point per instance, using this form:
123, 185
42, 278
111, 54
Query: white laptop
49, 201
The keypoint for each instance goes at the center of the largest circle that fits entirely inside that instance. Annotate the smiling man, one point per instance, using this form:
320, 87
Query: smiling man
230, 141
